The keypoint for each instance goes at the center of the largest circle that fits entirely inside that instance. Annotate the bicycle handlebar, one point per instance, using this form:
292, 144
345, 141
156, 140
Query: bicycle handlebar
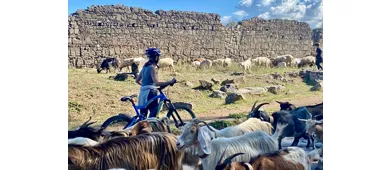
163, 87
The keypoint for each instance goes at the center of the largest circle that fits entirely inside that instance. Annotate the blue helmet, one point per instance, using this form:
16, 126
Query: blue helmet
152, 52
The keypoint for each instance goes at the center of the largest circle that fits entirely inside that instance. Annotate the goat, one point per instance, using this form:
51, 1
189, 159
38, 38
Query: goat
149, 125
82, 141
315, 110
209, 150
105, 65
85, 131
144, 151
129, 62
308, 60
219, 62
314, 127
262, 61
227, 62
286, 106
166, 63
262, 115
292, 127
195, 64
291, 158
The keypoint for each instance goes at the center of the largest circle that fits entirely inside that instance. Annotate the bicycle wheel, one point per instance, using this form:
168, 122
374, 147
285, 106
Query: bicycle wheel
184, 114
121, 117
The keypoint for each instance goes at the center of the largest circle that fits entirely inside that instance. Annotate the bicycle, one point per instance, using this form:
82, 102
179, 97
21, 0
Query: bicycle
139, 117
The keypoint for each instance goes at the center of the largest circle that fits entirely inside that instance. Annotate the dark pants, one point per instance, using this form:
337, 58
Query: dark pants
152, 107
318, 63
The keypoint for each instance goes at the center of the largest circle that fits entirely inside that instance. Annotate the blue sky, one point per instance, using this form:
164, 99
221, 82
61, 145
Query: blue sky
309, 11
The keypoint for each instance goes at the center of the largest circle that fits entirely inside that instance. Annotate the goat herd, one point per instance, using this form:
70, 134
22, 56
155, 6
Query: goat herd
202, 63
254, 144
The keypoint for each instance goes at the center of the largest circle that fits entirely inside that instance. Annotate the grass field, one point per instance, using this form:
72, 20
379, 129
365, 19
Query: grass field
92, 94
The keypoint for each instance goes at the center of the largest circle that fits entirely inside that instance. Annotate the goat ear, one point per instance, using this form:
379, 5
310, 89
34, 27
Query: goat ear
204, 140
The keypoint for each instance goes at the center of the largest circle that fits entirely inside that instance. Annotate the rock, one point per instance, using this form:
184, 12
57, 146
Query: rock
189, 84
253, 90
293, 74
318, 87
204, 85
229, 88
227, 81
217, 94
233, 97
215, 81
275, 89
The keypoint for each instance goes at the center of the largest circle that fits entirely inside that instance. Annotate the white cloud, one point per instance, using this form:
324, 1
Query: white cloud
309, 11
246, 2
241, 14
226, 19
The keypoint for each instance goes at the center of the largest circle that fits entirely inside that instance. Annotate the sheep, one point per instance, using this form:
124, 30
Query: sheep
199, 59
218, 62
246, 65
166, 63
107, 64
290, 158
282, 65
227, 62
82, 141
262, 61
308, 60
209, 149
206, 64
262, 115
296, 62
288, 59
293, 128
144, 151
195, 64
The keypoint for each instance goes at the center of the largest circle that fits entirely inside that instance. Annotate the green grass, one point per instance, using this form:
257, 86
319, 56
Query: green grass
92, 94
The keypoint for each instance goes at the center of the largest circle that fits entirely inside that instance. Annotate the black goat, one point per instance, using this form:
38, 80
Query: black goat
256, 113
286, 106
315, 110
105, 65
293, 127
85, 131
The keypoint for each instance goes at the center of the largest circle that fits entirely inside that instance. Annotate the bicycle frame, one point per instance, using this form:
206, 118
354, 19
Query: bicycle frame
163, 100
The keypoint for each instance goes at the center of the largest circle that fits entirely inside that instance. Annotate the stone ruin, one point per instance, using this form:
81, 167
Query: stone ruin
124, 32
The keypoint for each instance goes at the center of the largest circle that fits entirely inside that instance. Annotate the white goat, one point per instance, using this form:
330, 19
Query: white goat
129, 61
166, 63
82, 141
297, 61
250, 125
246, 65
210, 150
195, 64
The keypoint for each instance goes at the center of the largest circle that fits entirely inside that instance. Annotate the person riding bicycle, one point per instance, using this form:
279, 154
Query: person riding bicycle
148, 79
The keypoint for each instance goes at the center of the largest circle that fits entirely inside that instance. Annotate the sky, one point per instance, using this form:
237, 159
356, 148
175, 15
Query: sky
309, 11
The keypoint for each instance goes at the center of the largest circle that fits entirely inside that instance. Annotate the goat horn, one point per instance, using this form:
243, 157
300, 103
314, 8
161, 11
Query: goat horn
249, 166
228, 160
223, 154
254, 104
85, 123
197, 121
319, 122
258, 107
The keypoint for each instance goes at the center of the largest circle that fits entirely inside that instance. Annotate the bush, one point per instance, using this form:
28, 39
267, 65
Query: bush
220, 124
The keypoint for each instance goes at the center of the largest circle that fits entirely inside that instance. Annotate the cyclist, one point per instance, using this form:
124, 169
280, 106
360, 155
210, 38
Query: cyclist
148, 79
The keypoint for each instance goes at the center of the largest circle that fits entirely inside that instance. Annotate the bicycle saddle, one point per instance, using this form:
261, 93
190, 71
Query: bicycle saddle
125, 98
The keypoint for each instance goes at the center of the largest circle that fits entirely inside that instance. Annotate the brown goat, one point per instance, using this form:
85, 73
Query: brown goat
144, 151
291, 158
150, 125
316, 127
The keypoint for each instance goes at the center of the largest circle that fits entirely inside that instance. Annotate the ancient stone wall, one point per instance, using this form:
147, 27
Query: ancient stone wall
317, 36
124, 32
